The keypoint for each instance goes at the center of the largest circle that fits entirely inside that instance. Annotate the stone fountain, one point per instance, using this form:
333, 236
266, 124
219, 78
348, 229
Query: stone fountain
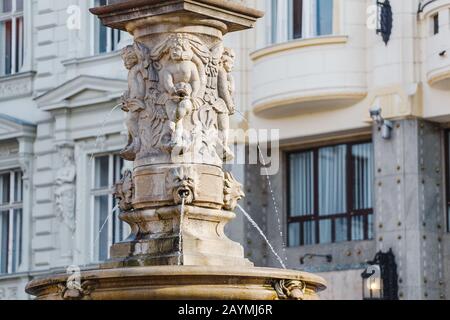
178, 199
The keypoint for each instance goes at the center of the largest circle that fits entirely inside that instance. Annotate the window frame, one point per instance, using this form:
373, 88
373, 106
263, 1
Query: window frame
316, 217
11, 208
17, 49
111, 46
105, 191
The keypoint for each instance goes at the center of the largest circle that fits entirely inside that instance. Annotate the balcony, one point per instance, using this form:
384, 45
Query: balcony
436, 29
308, 75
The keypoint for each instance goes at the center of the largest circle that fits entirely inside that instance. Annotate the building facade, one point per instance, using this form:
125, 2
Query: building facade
312, 69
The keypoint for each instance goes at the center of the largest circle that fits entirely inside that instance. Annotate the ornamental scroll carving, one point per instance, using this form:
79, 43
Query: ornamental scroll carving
179, 100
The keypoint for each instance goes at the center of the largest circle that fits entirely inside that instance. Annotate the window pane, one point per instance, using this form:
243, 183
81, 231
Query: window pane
101, 227
18, 187
341, 230
102, 172
294, 235
17, 240
436, 23
325, 231
19, 5
4, 227
363, 176
5, 183
309, 233
332, 180
297, 18
5, 47
6, 5
302, 184
324, 17
118, 167
358, 228
274, 21
19, 44
370, 226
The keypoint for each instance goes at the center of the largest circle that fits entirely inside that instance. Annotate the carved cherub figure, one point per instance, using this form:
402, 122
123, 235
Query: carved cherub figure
181, 83
135, 59
226, 88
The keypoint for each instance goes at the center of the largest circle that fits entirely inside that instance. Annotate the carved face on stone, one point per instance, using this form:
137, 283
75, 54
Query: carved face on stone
228, 60
180, 50
129, 57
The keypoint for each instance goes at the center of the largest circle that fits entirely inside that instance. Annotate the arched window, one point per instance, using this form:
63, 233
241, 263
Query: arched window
11, 36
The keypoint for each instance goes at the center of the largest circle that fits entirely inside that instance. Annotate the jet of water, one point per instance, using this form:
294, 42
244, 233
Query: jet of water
180, 235
277, 212
104, 224
247, 215
102, 129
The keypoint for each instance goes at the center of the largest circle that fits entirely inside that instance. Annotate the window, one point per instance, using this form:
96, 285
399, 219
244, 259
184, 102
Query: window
435, 23
274, 20
105, 39
330, 194
11, 36
108, 228
309, 18
10, 221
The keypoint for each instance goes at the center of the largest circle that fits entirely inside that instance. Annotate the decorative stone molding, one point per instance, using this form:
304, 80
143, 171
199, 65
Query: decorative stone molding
290, 289
17, 85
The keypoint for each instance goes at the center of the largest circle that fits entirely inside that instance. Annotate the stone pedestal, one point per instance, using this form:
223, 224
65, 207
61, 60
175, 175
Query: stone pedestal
178, 199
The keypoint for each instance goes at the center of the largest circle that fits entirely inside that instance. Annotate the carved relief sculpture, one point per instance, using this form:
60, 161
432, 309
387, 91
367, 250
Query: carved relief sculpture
135, 58
65, 189
182, 183
124, 191
224, 110
290, 289
232, 192
178, 104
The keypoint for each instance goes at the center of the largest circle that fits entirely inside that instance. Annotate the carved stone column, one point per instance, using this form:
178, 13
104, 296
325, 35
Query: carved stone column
178, 104
177, 198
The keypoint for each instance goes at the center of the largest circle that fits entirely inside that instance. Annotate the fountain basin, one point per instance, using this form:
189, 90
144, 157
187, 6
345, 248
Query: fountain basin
180, 283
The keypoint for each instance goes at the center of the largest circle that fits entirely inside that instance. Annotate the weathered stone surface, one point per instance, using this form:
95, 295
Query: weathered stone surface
181, 283
178, 199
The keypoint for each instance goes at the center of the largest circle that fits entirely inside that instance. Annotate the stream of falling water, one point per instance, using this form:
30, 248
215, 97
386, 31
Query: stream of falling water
102, 129
180, 234
103, 226
247, 215
277, 212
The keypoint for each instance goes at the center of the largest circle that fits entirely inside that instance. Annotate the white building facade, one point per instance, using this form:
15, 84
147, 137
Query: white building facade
311, 68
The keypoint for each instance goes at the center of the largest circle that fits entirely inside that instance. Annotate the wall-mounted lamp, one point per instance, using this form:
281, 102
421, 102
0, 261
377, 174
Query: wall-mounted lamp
385, 20
380, 279
386, 125
327, 257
